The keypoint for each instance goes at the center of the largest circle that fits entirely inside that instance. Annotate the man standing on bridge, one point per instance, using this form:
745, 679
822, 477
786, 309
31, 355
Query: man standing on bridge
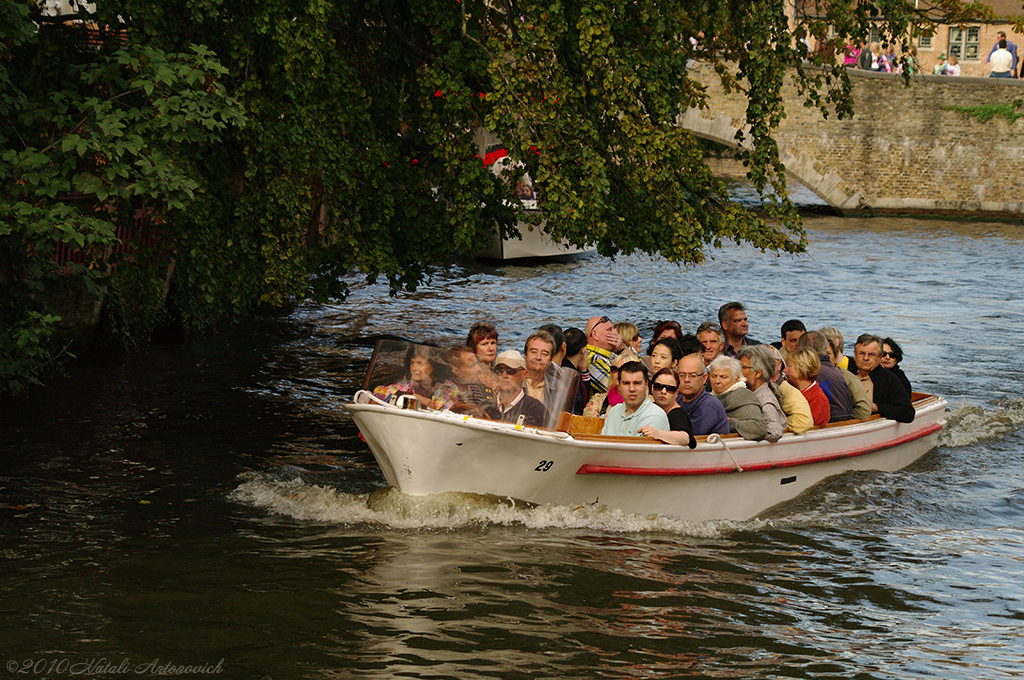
1009, 47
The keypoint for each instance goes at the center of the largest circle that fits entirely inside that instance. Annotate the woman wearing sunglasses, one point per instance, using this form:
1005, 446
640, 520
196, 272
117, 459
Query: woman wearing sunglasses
892, 355
664, 386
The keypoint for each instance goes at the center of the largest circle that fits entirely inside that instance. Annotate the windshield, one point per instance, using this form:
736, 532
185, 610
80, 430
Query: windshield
456, 380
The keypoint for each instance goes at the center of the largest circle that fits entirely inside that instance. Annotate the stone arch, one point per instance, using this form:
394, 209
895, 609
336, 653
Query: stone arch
828, 185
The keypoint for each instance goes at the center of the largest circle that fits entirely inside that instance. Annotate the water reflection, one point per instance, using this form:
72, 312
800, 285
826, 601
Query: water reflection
211, 499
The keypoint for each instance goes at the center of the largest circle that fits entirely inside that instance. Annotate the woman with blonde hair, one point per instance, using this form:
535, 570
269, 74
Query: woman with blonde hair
802, 372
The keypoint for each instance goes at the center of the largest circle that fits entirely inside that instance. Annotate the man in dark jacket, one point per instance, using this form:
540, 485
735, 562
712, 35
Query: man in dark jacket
885, 392
513, 401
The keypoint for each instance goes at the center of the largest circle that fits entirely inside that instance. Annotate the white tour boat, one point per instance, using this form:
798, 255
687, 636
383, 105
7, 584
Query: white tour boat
424, 451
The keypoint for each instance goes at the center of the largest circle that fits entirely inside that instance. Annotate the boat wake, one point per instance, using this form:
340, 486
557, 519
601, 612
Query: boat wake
967, 424
390, 508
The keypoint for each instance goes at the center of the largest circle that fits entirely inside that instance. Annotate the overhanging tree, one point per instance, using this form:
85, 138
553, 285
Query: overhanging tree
333, 137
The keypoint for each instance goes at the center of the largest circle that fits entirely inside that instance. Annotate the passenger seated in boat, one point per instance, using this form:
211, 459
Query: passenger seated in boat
472, 392
758, 364
542, 375
791, 332
892, 355
794, 404
830, 379
664, 386
888, 397
712, 338
577, 389
664, 329
599, 404
705, 410
860, 407
742, 407
602, 338
576, 357
636, 410
801, 372
513, 401
630, 336
426, 378
835, 339
483, 340
666, 354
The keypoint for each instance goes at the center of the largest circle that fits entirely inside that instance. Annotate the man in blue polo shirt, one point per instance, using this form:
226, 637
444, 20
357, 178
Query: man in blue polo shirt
636, 410
706, 411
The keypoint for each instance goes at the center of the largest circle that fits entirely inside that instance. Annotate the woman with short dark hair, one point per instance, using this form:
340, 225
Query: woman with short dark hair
892, 355
664, 386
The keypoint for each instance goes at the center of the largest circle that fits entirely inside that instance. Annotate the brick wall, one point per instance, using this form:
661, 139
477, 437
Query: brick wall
900, 151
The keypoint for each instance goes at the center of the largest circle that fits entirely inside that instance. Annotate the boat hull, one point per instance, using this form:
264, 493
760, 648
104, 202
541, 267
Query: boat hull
534, 246
429, 452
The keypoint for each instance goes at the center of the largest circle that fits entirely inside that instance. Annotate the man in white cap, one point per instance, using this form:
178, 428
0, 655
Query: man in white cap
513, 401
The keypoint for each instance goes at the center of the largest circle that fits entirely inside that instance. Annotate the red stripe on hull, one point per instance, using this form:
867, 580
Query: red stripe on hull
679, 472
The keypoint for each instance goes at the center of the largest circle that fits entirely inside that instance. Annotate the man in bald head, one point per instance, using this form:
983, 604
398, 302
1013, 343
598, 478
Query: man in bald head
602, 338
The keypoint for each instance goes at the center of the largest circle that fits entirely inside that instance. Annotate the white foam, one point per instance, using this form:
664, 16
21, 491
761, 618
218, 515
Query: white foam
453, 510
969, 424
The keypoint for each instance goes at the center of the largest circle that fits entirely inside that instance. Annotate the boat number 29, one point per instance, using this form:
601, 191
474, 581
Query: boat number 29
544, 466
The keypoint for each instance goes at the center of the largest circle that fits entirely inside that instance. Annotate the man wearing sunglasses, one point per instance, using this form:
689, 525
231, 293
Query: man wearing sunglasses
635, 411
602, 339
513, 401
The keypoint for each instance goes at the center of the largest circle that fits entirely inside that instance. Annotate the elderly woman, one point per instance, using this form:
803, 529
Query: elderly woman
892, 355
741, 406
664, 386
426, 378
758, 364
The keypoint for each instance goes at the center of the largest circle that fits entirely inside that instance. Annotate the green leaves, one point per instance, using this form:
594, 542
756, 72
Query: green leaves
274, 147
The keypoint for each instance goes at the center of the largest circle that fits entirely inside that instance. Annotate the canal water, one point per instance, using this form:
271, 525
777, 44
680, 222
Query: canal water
208, 507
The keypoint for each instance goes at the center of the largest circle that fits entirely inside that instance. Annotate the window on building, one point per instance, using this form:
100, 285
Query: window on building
924, 42
963, 42
875, 36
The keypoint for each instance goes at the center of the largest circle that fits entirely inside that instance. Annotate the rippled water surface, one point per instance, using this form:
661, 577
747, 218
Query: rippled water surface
212, 503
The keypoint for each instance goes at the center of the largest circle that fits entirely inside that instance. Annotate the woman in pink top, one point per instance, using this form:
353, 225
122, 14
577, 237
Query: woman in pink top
850, 54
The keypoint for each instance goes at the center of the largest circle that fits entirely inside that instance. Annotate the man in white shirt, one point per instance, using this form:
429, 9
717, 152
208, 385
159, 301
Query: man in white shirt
1010, 47
1002, 61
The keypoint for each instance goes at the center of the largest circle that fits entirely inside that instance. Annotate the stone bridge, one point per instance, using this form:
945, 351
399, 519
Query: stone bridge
902, 151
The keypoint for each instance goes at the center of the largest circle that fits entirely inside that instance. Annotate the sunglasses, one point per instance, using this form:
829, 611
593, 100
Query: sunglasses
507, 370
663, 386
889, 354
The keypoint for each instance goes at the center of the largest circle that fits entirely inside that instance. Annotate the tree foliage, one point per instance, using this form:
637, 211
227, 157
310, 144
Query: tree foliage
274, 146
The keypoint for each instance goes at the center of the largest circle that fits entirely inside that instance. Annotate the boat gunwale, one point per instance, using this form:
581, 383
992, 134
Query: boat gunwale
602, 442
589, 469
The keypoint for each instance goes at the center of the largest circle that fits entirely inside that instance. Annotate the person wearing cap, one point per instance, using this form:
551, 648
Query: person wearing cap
602, 339
940, 68
636, 411
513, 401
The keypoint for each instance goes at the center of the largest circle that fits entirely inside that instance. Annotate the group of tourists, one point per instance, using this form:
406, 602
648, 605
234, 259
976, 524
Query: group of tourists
682, 385
882, 58
879, 58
